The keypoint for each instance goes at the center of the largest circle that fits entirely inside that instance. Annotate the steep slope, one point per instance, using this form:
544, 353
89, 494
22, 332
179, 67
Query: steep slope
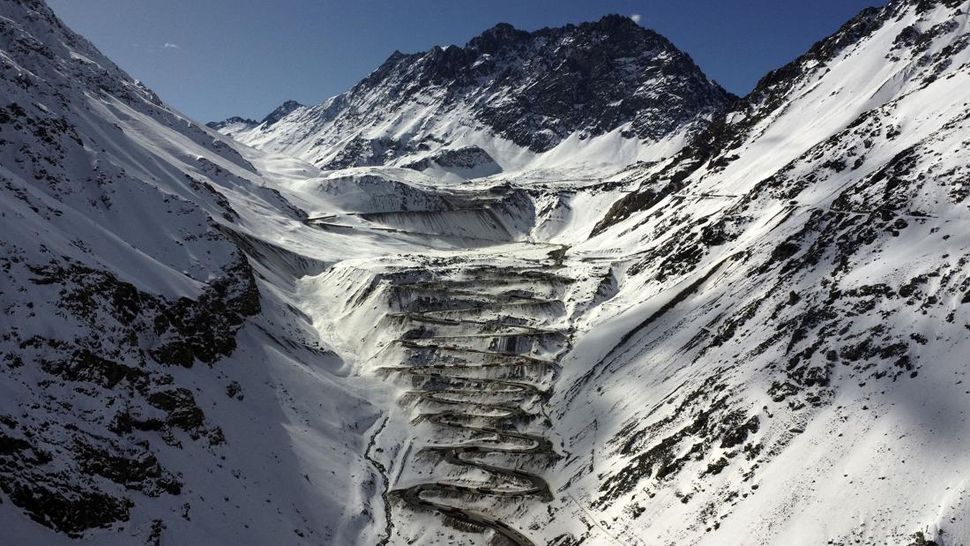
503, 101
156, 379
783, 360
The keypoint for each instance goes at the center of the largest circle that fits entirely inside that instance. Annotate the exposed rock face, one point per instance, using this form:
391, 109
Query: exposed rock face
801, 281
534, 89
281, 112
109, 280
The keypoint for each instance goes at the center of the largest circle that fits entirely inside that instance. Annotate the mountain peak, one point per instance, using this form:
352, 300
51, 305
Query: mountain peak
503, 29
615, 20
496, 37
535, 89
232, 121
281, 112
506, 35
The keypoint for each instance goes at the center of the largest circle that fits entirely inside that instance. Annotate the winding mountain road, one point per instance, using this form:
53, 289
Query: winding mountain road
482, 404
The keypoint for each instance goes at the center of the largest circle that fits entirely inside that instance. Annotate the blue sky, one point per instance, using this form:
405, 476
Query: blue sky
217, 58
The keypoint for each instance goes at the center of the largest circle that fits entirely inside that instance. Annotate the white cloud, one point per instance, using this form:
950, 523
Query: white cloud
170, 45
636, 18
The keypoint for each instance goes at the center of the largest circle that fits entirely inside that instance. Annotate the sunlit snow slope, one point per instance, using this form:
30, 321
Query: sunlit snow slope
785, 362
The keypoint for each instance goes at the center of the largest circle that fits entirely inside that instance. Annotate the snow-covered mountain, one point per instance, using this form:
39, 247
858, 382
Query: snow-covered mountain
153, 379
506, 100
753, 335
783, 362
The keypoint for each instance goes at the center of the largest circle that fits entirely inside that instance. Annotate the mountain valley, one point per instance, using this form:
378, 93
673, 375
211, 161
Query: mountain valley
553, 287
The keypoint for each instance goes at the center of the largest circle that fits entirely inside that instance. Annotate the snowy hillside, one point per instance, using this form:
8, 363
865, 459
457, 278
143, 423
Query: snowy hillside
661, 316
507, 100
155, 382
783, 362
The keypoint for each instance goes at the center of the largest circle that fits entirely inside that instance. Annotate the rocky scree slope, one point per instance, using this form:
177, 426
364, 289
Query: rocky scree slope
505, 92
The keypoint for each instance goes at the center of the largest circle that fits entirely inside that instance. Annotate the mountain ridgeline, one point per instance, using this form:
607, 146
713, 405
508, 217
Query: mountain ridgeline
531, 89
